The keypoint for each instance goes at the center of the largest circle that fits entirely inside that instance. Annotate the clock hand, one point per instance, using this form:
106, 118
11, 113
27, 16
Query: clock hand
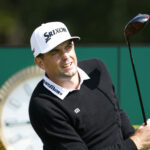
11, 124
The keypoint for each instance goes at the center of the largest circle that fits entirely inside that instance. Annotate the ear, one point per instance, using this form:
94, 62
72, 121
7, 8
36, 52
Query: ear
39, 62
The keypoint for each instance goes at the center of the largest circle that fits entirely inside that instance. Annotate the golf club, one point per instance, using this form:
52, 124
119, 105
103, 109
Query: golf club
134, 26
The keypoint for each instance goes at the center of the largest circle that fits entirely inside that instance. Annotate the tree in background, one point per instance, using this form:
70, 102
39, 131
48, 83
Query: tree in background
94, 21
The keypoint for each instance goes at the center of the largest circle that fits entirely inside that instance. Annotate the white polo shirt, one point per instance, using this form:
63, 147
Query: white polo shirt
59, 91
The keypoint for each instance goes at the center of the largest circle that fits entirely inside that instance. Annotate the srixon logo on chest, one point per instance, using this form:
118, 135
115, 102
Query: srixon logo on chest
48, 35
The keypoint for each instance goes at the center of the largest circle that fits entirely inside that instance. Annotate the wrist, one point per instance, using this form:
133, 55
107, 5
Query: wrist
137, 142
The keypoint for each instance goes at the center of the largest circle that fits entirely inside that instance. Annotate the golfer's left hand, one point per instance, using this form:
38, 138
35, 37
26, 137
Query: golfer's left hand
142, 136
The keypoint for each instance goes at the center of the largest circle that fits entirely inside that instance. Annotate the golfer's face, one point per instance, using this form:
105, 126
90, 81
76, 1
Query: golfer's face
61, 62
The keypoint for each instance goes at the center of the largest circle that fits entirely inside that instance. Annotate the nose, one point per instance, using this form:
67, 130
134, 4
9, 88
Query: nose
65, 55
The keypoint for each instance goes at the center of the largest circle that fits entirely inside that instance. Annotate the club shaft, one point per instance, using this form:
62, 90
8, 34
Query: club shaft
137, 84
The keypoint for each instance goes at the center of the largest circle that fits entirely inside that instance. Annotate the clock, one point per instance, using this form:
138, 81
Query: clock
16, 132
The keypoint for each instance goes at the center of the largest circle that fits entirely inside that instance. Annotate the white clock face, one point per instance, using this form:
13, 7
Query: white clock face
16, 127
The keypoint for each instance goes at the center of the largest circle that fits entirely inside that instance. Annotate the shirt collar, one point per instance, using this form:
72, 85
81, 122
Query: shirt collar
59, 91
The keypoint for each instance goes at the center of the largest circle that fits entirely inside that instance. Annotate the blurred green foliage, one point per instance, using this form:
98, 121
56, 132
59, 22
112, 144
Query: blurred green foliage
96, 22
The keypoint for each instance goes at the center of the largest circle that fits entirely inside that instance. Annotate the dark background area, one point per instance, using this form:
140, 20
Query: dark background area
96, 22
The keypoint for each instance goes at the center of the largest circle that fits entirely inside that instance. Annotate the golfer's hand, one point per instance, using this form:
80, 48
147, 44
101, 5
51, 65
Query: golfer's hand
142, 136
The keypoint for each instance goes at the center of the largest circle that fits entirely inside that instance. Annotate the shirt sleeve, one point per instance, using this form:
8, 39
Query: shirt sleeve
125, 145
127, 131
54, 129
126, 126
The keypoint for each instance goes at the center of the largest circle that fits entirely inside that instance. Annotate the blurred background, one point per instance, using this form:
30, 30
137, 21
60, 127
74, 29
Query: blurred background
96, 22
100, 24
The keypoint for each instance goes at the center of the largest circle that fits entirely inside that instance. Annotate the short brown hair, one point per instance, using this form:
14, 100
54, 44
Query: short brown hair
41, 56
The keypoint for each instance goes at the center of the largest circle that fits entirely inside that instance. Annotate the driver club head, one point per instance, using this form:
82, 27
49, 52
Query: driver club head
136, 24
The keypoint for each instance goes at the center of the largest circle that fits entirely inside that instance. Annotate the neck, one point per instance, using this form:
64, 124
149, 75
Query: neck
68, 82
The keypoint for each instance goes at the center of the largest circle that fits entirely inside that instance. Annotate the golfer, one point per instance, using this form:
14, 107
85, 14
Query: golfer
74, 106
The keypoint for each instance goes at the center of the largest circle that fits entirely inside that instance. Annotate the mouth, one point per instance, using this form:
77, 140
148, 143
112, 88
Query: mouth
67, 65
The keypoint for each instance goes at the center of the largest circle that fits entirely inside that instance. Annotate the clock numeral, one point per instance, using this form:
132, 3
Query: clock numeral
28, 89
15, 139
10, 122
14, 103
13, 123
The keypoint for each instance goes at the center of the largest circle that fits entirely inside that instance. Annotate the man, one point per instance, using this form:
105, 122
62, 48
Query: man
75, 106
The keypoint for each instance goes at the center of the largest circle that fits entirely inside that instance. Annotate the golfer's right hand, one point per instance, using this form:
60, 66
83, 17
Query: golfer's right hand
142, 136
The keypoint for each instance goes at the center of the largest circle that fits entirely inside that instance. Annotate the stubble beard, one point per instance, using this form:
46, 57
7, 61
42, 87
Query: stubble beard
70, 73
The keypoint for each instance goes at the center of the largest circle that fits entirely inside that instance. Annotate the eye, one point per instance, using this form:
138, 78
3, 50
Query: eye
54, 52
69, 46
